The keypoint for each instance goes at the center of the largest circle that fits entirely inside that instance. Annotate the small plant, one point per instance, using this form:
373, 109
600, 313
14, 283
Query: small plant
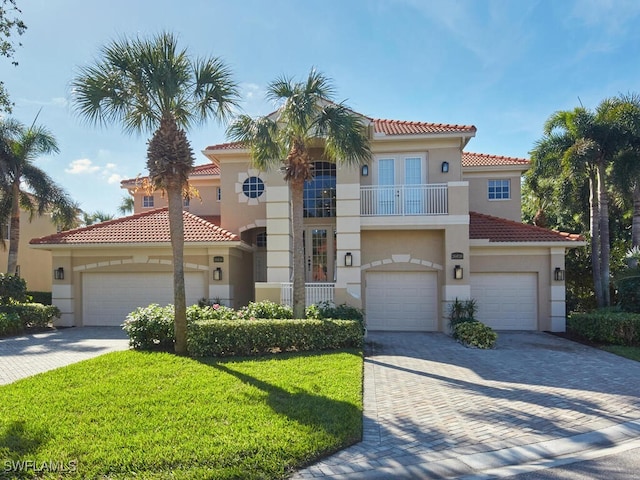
265, 309
342, 311
461, 311
475, 334
151, 328
13, 289
10, 323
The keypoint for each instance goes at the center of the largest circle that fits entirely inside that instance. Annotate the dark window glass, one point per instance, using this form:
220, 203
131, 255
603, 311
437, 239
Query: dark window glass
253, 187
320, 192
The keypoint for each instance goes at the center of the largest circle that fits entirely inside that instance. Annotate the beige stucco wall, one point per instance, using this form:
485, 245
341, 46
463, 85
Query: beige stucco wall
35, 266
240, 213
478, 195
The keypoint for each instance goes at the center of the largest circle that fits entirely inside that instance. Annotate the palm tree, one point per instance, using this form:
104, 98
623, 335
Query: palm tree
20, 146
152, 86
96, 217
580, 145
126, 205
305, 115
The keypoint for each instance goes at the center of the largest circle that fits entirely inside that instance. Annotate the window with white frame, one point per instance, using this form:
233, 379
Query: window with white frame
147, 201
499, 189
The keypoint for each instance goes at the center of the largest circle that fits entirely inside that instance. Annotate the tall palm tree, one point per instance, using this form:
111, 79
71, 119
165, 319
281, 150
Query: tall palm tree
306, 114
580, 144
150, 85
126, 205
20, 146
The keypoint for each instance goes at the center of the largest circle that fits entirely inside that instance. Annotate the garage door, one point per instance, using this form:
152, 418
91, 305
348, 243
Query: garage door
404, 301
109, 297
506, 301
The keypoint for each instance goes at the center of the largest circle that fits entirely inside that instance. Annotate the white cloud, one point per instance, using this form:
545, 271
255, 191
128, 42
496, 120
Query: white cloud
114, 178
82, 166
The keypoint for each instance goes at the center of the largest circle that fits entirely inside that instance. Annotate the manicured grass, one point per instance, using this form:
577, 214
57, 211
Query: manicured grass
155, 415
629, 352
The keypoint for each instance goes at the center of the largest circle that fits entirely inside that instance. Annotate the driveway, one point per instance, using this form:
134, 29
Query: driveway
435, 409
30, 354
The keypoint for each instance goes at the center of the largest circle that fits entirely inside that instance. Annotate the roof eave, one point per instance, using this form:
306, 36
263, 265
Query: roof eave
86, 246
465, 136
485, 242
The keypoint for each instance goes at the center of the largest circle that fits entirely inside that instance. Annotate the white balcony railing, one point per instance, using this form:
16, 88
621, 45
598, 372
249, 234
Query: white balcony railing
431, 199
314, 292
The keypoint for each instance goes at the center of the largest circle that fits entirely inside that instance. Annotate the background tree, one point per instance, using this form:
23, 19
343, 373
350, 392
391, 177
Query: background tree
305, 115
150, 85
20, 147
10, 24
126, 205
96, 217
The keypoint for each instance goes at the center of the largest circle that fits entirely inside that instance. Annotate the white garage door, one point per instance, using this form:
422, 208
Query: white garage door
506, 301
107, 298
404, 301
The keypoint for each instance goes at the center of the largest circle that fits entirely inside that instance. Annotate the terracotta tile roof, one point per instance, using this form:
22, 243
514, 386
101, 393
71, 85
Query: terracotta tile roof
398, 127
494, 229
206, 169
470, 159
147, 227
226, 146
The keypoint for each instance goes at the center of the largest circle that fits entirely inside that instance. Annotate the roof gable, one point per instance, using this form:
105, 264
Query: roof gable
494, 229
147, 227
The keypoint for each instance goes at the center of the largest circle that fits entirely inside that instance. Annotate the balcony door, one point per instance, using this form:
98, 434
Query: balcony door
319, 253
400, 179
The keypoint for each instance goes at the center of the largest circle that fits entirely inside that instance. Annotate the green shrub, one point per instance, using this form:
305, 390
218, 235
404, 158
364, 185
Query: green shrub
32, 315
151, 328
12, 289
461, 311
40, 297
606, 326
628, 284
220, 338
265, 309
10, 323
475, 334
331, 310
214, 312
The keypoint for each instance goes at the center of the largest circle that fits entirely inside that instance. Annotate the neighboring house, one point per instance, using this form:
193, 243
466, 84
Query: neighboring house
33, 265
421, 224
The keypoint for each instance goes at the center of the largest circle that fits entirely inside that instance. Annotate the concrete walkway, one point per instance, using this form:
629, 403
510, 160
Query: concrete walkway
30, 354
435, 409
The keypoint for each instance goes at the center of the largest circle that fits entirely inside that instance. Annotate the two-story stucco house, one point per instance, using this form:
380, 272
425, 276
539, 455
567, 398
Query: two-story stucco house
422, 223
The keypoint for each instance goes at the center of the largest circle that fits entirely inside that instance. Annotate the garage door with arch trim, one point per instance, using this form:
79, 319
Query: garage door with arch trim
402, 301
506, 301
107, 298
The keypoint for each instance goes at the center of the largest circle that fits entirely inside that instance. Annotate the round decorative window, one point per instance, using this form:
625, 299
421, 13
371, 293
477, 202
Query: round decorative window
253, 187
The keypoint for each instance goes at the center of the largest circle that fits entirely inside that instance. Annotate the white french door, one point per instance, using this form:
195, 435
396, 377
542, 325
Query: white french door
400, 180
319, 253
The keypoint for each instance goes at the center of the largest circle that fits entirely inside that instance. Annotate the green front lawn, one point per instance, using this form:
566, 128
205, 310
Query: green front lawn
624, 351
155, 415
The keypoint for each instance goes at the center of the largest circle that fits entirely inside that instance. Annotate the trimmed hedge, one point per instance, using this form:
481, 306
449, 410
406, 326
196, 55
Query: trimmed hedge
219, 338
29, 315
40, 297
475, 334
616, 328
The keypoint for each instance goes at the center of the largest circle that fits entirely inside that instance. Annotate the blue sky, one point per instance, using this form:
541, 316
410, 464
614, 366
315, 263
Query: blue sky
504, 66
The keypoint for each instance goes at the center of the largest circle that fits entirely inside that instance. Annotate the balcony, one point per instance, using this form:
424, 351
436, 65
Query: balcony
314, 292
404, 200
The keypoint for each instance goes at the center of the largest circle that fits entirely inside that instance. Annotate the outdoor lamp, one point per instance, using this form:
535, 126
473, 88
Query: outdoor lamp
58, 273
348, 259
457, 272
445, 167
365, 170
217, 274
558, 274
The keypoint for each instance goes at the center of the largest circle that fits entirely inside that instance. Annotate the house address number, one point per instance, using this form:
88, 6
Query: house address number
457, 256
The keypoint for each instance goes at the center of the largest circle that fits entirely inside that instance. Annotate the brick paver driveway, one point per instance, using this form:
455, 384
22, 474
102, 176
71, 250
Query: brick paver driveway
27, 355
428, 399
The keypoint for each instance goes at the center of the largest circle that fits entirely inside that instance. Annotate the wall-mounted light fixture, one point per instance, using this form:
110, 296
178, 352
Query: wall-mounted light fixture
365, 170
558, 274
348, 259
58, 273
444, 167
217, 274
457, 272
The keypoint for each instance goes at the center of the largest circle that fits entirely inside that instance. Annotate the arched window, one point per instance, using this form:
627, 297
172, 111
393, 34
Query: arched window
320, 192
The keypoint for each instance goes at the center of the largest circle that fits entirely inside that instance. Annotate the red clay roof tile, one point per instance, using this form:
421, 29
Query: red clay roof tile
147, 227
494, 229
470, 159
206, 169
399, 127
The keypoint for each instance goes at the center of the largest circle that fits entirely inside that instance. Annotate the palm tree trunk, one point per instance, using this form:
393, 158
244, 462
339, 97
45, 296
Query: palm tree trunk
296, 186
635, 225
594, 227
176, 228
14, 229
605, 247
